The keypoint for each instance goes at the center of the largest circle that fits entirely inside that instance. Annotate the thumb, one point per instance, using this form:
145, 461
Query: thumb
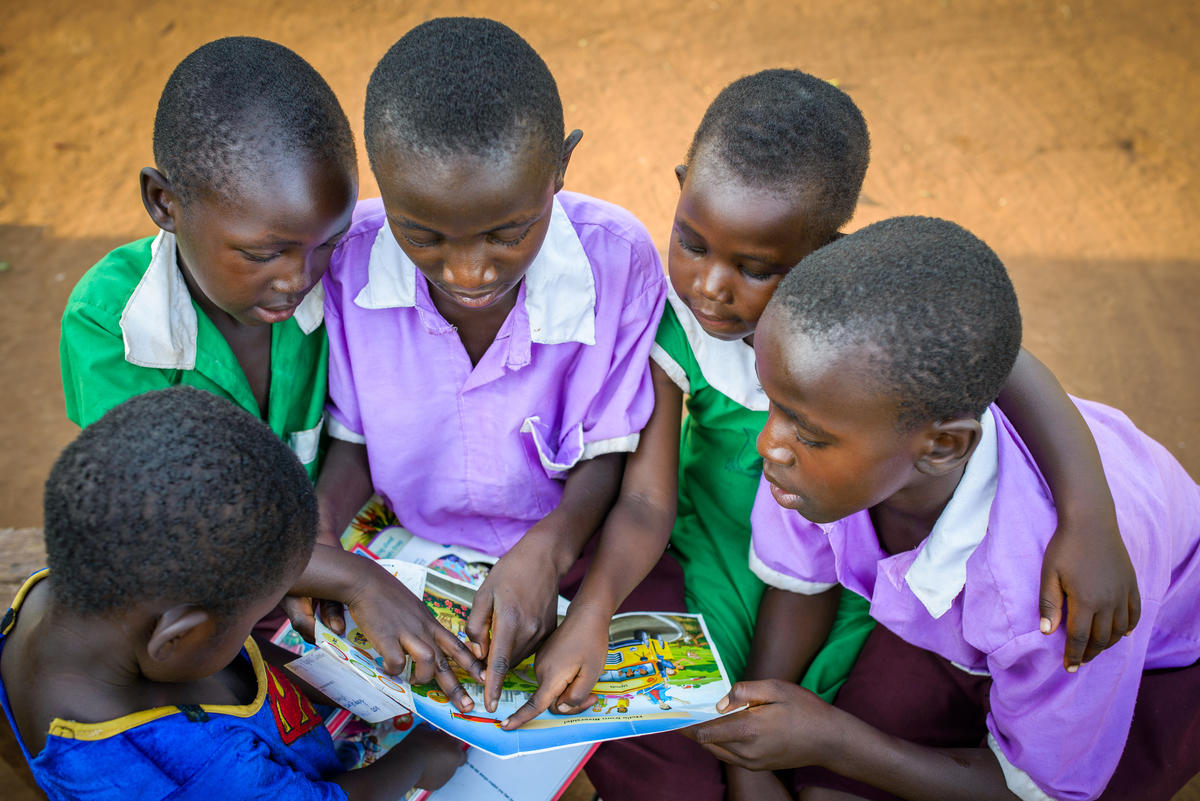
747, 693
1051, 600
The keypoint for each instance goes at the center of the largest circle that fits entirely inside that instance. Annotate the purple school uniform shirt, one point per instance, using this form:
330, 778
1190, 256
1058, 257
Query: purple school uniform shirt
476, 455
969, 593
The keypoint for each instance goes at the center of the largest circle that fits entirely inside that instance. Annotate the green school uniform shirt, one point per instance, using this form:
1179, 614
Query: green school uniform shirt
131, 326
719, 470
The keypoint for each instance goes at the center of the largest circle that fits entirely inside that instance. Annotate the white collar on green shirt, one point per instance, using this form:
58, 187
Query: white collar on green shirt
159, 324
728, 367
560, 290
939, 571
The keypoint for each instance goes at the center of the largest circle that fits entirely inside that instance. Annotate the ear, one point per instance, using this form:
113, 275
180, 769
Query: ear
159, 198
948, 445
681, 173
567, 149
178, 627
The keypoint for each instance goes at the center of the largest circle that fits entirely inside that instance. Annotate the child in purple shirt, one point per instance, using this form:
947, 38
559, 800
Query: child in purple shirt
881, 355
489, 362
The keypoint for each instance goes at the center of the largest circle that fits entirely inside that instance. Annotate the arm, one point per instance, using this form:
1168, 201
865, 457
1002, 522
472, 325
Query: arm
426, 758
342, 488
786, 726
1086, 559
631, 542
788, 632
515, 608
396, 621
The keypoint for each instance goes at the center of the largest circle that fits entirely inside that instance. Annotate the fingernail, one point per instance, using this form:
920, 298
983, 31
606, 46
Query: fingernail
722, 705
1045, 625
1072, 668
504, 725
564, 708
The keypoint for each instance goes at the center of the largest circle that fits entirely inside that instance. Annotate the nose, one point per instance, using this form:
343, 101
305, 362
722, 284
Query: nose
300, 273
467, 268
713, 282
770, 446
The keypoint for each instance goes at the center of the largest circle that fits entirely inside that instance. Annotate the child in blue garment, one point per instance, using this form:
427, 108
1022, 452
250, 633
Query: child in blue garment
255, 182
174, 523
889, 470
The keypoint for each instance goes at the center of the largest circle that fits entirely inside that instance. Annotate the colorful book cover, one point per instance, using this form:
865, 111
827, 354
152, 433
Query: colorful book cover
661, 673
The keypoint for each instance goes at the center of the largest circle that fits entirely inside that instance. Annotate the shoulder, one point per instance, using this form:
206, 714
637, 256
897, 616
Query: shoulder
622, 254
594, 218
107, 285
354, 249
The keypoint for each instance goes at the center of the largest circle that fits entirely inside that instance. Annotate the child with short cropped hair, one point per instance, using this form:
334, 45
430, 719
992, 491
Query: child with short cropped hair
773, 172
172, 524
255, 182
489, 361
901, 480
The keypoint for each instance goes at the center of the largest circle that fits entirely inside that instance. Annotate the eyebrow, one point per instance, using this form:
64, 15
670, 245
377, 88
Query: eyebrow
284, 243
803, 422
518, 223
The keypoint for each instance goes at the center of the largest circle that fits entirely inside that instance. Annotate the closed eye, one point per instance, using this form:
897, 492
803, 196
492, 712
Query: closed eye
690, 248
509, 243
259, 258
416, 243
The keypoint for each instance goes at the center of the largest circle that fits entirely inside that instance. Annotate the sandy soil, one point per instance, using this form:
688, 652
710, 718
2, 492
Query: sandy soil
1064, 133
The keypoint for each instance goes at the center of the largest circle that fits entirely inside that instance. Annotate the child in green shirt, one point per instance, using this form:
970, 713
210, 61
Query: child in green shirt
255, 183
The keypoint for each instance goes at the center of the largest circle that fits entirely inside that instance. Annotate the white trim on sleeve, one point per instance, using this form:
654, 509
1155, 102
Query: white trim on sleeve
625, 444
340, 431
1018, 781
306, 443
783, 581
671, 367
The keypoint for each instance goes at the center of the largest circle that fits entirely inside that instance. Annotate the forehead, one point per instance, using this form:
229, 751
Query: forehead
464, 192
838, 386
284, 191
789, 223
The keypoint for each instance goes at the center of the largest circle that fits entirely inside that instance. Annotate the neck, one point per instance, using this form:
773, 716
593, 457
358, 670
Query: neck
905, 519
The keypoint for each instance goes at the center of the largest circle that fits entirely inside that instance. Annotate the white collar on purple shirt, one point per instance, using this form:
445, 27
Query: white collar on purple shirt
159, 325
560, 290
939, 570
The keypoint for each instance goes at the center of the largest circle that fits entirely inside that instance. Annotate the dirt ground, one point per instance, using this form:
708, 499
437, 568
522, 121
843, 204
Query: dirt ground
1066, 134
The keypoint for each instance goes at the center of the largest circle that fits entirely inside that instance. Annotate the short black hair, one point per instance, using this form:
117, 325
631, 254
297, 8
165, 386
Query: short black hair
175, 495
787, 131
462, 86
235, 100
931, 302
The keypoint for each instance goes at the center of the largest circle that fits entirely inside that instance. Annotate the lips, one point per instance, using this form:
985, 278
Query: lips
276, 315
783, 497
475, 300
712, 320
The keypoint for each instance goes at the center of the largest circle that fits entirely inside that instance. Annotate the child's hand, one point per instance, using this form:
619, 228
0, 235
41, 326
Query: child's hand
567, 667
301, 613
784, 726
514, 610
440, 755
1087, 567
398, 623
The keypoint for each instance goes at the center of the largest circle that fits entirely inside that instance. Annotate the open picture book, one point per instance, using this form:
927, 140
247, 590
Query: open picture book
661, 673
